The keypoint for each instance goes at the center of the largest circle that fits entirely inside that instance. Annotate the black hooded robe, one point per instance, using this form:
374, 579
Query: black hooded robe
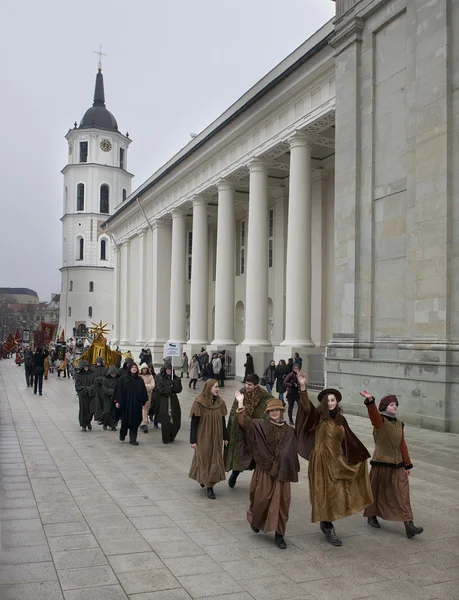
84, 386
99, 372
131, 394
110, 416
167, 406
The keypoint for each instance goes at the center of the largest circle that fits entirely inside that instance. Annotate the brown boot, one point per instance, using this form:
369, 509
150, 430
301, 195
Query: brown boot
412, 530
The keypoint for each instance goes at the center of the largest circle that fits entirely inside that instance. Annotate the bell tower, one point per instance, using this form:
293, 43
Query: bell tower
96, 182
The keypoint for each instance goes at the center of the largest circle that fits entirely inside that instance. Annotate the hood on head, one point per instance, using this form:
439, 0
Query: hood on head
100, 361
144, 366
112, 369
82, 364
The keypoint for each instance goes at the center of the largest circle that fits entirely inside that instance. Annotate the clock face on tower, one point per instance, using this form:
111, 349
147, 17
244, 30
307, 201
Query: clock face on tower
105, 145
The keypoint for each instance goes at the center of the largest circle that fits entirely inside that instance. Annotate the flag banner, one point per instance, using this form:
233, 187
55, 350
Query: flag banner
60, 351
48, 329
17, 337
25, 336
39, 338
9, 343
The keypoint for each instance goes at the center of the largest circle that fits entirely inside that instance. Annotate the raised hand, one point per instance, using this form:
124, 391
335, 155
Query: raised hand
301, 378
365, 394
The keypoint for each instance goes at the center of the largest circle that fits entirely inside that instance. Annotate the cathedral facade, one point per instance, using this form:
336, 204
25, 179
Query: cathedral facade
96, 182
319, 215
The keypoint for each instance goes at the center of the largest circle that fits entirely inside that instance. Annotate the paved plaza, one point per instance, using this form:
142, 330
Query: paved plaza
86, 517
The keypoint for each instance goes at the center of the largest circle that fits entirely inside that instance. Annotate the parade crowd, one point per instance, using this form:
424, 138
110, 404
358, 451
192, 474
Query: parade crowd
255, 437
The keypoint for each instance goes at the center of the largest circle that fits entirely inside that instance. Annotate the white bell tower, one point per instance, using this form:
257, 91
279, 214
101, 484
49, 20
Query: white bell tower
96, 182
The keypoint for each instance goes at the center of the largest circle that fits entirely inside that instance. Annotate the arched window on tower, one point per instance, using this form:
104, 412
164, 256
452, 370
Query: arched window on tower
80, 196
124, 194
104, 199
90, 312
71, 286
80, 248
66, 199
103, 249
91, 286
70, 311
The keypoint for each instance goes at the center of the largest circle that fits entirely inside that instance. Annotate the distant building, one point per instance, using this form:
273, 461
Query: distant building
19, 295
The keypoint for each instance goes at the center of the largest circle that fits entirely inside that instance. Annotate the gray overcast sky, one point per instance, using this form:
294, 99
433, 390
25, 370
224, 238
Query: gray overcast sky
172, 68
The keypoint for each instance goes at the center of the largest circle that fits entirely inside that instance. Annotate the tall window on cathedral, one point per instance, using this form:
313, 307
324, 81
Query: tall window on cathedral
80, 196
242, 249
70, 311
71, 286
91, 286
80, 249
271, 238
124, 194
189, 250
83, 152
90, 312
121, 158
103, 250
104, 199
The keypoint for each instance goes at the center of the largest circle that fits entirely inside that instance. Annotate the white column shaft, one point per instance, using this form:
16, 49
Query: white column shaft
298, 269
226, 267
116, 296
141, 288
256, 330
199, 291
124, 291
178, 279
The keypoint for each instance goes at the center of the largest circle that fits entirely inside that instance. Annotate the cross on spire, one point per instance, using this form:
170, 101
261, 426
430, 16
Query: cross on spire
100, 53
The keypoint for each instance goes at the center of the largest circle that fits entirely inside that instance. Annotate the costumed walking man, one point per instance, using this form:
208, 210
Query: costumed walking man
339, 485
149, 381
109, 410
167, 408
208, 433
100, 372
84, 386
130, 397
390, 466
39, 369
269, 446
29, 366
255, 399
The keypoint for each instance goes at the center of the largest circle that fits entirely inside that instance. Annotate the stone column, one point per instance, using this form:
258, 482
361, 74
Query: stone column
226, 268
298, 268
177, 329
141, 288
199, 291
256, 330
124, 291
160, 288
116, 294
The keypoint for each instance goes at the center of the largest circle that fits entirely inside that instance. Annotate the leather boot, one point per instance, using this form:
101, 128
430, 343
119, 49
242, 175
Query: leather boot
412, 530
332, 538
373, 521
210, 493
279, 541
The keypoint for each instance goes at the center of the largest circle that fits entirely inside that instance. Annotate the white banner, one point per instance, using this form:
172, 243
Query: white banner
171, 349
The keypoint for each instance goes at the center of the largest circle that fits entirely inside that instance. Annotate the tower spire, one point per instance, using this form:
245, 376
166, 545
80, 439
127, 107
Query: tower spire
99, 93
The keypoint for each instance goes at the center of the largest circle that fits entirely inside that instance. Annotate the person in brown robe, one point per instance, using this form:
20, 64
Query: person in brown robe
390, 466
255, 399
339, 484
208, 433
270, 446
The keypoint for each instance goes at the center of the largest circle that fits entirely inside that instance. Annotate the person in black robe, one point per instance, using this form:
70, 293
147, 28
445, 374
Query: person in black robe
100, 372
130, 396
167, 406
29, 366
249, 366
84, 386
110, 415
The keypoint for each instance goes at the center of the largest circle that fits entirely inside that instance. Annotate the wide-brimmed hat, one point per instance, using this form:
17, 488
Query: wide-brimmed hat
274, 404
328, 391
384, 402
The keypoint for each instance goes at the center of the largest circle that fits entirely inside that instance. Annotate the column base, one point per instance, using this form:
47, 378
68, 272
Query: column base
286, 350
221, 344
262, 355
140, 342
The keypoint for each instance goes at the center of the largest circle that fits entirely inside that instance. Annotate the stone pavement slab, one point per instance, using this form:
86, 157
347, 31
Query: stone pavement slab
86, 517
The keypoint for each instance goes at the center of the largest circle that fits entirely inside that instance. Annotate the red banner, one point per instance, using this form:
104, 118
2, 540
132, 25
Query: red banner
17, 337
9, 343
49, 330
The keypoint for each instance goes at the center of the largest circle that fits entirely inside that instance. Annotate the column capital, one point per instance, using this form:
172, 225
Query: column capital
177, 213
299, 139
225, 185
160, 223
258, 165
116, 248
142, 232
125, 243
200, 201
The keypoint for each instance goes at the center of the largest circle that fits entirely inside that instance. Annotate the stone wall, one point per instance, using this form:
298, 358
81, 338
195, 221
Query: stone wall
396, 208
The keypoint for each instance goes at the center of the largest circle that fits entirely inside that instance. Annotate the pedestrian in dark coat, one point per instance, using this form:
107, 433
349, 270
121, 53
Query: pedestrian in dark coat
130, 396
84, 386
29, 366
39, 362
110, 415
293, 391
167, 410
249, 368
280, 374
100, 372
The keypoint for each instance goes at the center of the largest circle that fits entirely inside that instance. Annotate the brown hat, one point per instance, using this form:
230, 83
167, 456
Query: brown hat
384, 402
274, 404
328, 391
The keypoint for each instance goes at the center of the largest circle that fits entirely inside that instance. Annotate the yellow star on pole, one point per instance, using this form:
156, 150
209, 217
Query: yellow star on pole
99, 328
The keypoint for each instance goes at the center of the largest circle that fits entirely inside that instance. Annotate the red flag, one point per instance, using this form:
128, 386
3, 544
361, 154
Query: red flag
17, 337
48, 329
10, 343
